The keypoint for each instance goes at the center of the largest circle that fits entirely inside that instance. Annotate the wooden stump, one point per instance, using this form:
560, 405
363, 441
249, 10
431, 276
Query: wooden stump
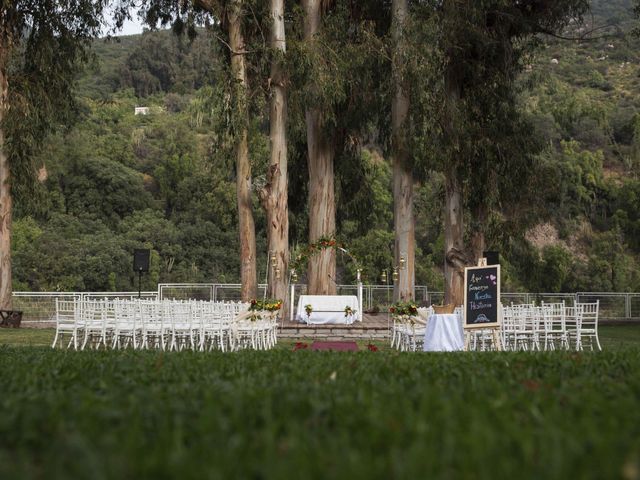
10, 318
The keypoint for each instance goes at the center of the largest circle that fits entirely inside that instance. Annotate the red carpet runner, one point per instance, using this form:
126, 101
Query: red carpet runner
336, 346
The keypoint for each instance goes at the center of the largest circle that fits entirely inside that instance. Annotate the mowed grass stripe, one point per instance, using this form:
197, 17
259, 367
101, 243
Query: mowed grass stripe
610, 337
284, 414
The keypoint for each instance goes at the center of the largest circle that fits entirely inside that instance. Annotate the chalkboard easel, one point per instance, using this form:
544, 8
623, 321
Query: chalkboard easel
482, 307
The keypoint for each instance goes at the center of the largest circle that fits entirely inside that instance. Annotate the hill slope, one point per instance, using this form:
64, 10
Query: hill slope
116, 181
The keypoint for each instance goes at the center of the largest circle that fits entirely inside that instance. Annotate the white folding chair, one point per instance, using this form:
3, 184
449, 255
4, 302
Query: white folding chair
587, 325
93, 319
571, 315
555, 328
126, 330
181, 325
68, 322
109, 316
153, 329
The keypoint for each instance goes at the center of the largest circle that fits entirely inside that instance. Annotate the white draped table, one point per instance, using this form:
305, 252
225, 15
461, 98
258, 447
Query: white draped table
444, 334
327, 308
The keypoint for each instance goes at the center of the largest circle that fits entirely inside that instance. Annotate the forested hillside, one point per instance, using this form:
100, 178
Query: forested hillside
114, 181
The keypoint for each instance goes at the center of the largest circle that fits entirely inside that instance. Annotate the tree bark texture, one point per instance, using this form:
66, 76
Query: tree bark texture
274, 196
455, 254
6, 211
455, 257
478, 244
321, 272
246, 226
403, 218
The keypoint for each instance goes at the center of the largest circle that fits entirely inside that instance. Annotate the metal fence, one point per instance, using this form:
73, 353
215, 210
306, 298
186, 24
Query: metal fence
215, 292
39, 307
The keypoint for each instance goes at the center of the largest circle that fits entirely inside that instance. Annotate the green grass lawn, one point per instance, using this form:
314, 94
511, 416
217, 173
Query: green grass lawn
611, 337
285, 414
33, 337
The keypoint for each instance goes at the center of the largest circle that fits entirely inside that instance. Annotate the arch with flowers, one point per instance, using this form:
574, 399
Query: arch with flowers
301, 259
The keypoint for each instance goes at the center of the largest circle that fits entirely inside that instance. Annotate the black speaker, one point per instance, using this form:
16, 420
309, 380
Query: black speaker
493, 258
141, 259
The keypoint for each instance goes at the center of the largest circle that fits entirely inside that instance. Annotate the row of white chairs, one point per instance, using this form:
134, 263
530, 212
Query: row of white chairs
551, 326
161, 324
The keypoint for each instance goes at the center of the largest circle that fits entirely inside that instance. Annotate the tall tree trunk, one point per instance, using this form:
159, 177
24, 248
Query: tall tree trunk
246, 225
484, 199
322, 210
403, 219
455, 258
454, 251
274, 195
5, 191
478, 244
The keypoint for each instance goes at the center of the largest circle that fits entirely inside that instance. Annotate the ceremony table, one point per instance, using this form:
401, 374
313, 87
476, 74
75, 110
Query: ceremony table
327, 309
444, 333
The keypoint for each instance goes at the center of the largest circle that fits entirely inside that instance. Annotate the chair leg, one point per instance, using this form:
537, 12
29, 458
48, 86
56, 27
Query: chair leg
86, 339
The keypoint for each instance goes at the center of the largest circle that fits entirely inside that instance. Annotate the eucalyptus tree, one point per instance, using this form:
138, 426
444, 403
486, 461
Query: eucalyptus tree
246, 225
469, 53
42, 47
403, 217
321, 150
274, 195
227, 19
338, 64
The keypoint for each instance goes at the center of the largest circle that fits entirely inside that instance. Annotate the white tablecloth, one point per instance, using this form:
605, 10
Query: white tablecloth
327, 308
444, 334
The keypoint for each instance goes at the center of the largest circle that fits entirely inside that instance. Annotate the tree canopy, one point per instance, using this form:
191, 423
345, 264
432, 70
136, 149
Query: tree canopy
563, 200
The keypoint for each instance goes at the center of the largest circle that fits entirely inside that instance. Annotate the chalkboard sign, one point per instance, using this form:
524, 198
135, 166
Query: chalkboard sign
482, 296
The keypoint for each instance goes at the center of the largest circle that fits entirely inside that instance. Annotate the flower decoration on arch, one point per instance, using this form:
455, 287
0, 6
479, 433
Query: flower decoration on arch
301, 259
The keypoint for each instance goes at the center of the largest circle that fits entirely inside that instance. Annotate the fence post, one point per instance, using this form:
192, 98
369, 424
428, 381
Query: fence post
292, 301
627, 306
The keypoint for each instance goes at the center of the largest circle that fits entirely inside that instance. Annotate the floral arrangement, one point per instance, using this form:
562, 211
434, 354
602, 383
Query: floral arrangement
302, 258
269, 304
404, 309
349, 311
308, 308
372, 348
300, 346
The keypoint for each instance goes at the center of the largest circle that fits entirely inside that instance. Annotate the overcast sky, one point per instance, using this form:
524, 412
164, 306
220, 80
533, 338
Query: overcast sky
131, 27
